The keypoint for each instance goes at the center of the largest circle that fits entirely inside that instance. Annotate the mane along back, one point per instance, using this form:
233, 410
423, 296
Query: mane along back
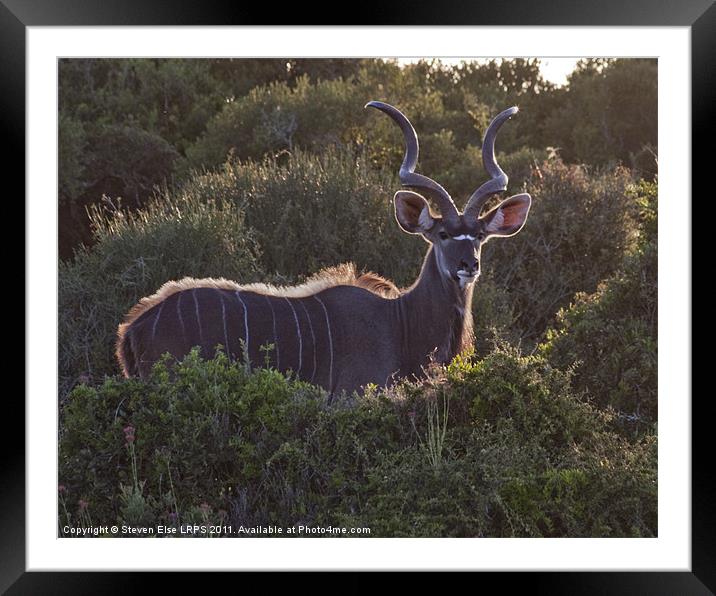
378, 285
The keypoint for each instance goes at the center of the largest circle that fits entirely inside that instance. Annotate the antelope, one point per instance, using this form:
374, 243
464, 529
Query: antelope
340, 330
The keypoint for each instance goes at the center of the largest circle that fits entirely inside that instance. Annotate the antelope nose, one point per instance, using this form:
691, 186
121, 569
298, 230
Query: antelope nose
471, 265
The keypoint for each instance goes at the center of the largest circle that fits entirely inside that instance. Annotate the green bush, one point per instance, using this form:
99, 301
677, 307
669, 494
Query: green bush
612, 333
309, 212
172, 98
275, 117
330, 113
71, 160
464, 174
578, 230
195, 112
175, 236
493, 447
607, 112
95, 160
125, 161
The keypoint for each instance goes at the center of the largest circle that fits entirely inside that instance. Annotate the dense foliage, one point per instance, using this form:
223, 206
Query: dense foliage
494, 447
271, 170
611, 334
127, 124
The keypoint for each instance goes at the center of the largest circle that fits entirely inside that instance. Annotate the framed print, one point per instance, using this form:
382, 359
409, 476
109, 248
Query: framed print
263, 322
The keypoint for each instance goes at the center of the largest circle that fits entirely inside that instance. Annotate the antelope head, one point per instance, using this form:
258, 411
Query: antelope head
457, 238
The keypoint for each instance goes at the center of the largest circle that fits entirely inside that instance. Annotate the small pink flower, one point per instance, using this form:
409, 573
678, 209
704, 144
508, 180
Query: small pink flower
83, 505
61, 489
129, 434
173, 517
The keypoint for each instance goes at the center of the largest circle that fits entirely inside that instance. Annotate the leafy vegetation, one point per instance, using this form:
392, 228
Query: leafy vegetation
611, 334
520, 454
171, 116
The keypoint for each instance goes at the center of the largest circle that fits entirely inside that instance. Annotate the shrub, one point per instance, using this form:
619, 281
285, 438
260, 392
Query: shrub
71, 160
607, 112
519, 454
175, 236
523, 457
578, 230
96, 160
126, 161
330, 113
142, 120
274, 117
612, 333
238, 441
463, 175
309, 212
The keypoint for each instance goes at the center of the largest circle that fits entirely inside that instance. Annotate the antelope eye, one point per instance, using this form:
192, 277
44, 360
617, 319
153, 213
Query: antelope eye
443, 236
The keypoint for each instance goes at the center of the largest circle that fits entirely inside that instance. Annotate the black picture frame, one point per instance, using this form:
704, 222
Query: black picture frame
700, 16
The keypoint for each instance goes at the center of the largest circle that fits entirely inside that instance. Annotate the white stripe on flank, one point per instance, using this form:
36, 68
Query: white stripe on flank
223, 318
300, 339
181, 320
198, 320
330, 344
159, 314
313, 338
246, 322
275, 337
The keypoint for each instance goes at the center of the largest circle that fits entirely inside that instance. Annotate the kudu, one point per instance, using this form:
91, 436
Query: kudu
340, 330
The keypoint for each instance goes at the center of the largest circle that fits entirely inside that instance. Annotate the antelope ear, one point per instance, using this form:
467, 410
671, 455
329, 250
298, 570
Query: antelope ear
413, 212
508, 217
